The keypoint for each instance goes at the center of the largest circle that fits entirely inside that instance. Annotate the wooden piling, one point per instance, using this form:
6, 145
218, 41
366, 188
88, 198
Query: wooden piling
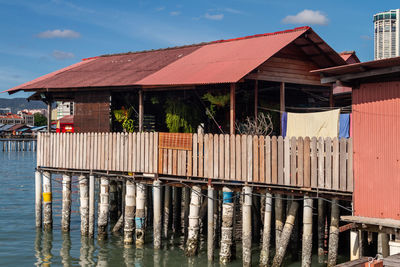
38, 199
140, 214
103, 208
84, 204
66, 203
47, 202
91, 206
130, 205
333, 234
210, 223
167, 204
227, 226
321, 230
193, 233
157, 223
278, 218
267, 231
246, 220
285, 235
307, 232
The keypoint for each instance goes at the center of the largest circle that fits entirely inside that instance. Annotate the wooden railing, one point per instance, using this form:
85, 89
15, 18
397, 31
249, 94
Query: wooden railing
293, 162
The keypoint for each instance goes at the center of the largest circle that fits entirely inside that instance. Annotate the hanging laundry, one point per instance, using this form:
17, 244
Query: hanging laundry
284, 124
344, 126
318, 124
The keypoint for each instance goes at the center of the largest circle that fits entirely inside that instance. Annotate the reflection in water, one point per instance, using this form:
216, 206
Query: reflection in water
86, 252
139, 256
47, 246
129, 256
102, 257
38, 247
65, 251
156, 258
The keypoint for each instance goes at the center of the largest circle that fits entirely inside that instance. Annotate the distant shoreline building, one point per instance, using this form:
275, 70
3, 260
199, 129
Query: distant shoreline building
387, 34
64, 109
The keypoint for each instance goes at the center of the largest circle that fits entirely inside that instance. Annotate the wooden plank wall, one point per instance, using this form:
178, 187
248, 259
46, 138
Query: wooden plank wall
294, 162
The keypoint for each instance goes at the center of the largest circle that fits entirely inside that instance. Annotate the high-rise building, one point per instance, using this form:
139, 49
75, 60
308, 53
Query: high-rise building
387, 34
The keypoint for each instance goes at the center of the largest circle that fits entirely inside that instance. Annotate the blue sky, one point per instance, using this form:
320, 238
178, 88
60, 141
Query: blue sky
38, 37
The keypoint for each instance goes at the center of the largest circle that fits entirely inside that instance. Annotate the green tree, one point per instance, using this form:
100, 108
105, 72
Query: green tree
39, 119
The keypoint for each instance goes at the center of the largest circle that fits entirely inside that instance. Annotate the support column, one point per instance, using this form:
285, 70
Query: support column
193, 233
278, 219
307, 232
84, 204
157, 224
141, 110
267, 231
130, 204
210, 223
232, 109
113, 202
66, 203
333, 234
176, 209
282, 100
38, 199
227, 226
383, 244
140, 214
321, 230
246, 220
167, 204
91, 206
103, 208
186, 192
355, 244
47, 202
49, 102
285, 236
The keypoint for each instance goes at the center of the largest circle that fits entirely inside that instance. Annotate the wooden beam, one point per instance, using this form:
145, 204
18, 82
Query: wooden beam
256, 101
331, 99
282, 101
141, 111
262, 76
366, 74
232, 109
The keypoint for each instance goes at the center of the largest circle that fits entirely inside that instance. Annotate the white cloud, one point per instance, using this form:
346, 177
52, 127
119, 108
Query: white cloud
59, 34
161, 8
232, 10
307, 17
61, 55
214, 16
175, 13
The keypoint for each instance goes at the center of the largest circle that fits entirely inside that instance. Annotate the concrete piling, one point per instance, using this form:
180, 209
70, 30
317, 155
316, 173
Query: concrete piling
383, 244
321, 230
278, 218
47, 202
140, 214
38, 199
186, 205
66, 203
91, 206
167, 204
307, 232
129, 217
84, 204
285, 235
157, 223
113, 202
176, 209
246, 220
103, 208
210, 223
355, 244
225, 254
264, 258
193, 231
333, 234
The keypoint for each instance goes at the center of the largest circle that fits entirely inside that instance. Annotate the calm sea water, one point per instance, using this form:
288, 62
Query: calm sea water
22, 245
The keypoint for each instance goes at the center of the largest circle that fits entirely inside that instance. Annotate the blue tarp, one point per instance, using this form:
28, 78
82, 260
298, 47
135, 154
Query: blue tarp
344, 126
284, 124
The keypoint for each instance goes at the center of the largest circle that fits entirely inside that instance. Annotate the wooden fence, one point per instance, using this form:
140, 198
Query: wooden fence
294, 162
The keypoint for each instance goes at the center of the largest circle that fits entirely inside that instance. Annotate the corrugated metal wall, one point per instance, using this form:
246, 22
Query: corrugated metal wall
92, 112
376, 130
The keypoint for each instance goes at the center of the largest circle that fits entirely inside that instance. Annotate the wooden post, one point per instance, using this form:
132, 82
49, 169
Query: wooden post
47, 202
91, 206
227, 226
282, 101
193, 233
167, 204
267, 231
321, 230
130, 204
141, 110
84, 204
246, 221
307, 232
66, 203
49, 102
157, 223
333, 234
38, 199
140, 214
256, 101
232, 109
278, 218
210, 223
285, 236
103, 208
355, 245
